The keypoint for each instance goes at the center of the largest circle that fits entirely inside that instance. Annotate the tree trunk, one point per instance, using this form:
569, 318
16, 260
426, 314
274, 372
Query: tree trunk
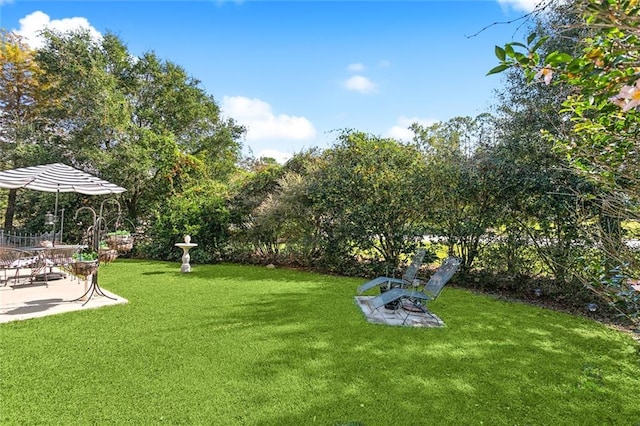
11, 209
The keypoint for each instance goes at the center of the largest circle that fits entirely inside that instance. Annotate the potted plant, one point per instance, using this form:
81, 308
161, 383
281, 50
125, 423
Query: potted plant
121, 241
106, 254
83, 264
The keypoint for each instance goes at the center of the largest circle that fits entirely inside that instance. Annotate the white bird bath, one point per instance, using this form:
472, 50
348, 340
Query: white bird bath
186, 258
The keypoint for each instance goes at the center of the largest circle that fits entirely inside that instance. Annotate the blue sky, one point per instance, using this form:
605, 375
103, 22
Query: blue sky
295, 71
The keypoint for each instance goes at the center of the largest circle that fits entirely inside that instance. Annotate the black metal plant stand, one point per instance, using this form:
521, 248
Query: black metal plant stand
94, 287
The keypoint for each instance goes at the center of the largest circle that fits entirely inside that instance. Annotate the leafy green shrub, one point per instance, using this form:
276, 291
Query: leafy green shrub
199, 212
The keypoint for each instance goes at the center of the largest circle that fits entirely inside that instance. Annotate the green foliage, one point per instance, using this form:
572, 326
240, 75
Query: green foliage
200, 212
287, 212
87, 118
118, 232
539, 191
22, 98
85, 256
528, 191
512, 257
601, 143
369, 194
142, 123
613, 282
275, 220
254, 234
461, 198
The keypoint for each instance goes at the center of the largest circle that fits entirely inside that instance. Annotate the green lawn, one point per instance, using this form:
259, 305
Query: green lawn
245, 345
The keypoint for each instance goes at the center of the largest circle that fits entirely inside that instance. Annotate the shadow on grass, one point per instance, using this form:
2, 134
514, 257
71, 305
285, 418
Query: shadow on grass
155, 273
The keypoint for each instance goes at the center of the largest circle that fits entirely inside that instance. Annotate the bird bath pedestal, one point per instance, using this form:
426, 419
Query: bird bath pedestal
186, 246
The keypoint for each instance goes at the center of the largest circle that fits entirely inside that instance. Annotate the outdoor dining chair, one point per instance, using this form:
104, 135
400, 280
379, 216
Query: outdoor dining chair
50, 257
12, 259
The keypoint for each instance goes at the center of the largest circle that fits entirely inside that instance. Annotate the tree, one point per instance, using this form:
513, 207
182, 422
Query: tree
461, 196
371, 195
144, 123
89, 115
21, 97
288, 211
603, 109
606, 93
201, 212
252, 230
176, 136
542, 215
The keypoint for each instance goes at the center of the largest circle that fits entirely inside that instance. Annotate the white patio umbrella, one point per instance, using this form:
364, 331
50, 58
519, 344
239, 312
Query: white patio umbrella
57, 177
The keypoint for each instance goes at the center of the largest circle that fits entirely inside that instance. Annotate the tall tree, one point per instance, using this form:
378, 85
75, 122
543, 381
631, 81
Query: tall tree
177, 136
603, 108
21, 97
461, 196
372, 195
143, 123
88, 117
540, 190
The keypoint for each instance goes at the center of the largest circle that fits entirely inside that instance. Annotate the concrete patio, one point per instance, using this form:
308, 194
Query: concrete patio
37, 299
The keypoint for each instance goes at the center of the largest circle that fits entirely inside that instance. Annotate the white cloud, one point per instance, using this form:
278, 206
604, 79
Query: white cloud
521, 5
401, 130
32, 24
360, 84
5, 2
261, 123
357, 67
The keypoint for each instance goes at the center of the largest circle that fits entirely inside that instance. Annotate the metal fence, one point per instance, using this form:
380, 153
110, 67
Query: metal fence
25, 239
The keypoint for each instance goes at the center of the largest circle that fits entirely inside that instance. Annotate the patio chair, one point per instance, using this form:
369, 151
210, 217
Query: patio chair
50, 257
407, 277
58, 257
413, 299
14, 259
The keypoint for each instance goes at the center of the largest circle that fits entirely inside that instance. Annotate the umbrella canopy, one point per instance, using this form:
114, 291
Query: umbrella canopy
57, 177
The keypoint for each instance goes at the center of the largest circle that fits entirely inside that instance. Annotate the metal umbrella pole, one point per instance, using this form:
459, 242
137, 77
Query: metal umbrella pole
61, 225
55, 217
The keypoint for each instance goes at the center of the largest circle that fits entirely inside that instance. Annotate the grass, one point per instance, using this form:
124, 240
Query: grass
243, 345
